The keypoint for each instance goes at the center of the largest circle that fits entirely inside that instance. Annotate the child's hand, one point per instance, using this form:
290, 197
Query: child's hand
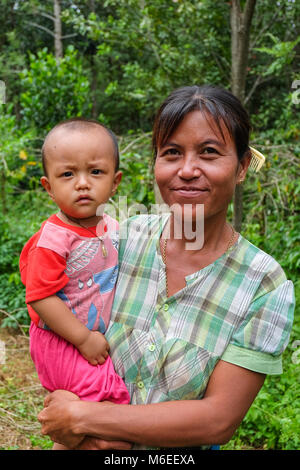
94, 348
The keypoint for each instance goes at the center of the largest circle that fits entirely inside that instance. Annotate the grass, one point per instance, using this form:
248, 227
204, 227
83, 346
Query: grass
21, 396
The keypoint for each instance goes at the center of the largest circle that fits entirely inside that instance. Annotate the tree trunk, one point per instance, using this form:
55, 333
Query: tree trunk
3, 190
94, 87
92, 51
58, 45
240, 34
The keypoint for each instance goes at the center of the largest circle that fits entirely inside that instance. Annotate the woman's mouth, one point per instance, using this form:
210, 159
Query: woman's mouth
190, 191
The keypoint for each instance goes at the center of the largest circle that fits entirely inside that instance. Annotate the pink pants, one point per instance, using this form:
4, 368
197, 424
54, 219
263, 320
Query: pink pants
61, 366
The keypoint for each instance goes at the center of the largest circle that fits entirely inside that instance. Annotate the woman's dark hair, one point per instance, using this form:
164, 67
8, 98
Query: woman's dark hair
217, 102
80, 123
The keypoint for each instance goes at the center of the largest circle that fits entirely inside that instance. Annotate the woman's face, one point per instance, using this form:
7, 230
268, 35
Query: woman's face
198, 166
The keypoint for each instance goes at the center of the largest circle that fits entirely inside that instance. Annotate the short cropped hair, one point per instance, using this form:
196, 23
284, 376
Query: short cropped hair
213, 101
79, 123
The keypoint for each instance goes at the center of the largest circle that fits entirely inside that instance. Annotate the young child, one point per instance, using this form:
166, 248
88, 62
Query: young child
69, 267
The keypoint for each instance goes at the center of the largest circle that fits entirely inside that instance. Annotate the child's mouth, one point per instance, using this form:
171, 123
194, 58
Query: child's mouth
84, 199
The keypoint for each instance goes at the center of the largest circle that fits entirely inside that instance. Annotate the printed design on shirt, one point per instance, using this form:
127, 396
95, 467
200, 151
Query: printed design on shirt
89, 284
81, 256
106, 279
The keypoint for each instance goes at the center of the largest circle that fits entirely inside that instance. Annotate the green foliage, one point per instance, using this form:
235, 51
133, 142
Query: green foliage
13, 141
15, 159
137, 165
146, 50
122, 59
41, 442
26, 211
273, 420
53, 90
271, 209
283, 53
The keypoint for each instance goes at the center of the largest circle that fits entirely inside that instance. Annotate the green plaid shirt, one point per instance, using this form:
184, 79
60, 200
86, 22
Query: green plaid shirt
238, 309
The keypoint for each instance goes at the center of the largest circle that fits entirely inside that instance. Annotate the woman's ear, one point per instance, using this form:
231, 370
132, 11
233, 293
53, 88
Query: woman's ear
243, 168
47, 186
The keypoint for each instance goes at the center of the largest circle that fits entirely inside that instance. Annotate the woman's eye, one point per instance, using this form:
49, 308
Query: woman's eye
172, 151
209, 150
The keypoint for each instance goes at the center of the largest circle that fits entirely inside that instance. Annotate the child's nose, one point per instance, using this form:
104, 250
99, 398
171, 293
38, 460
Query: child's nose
82, 182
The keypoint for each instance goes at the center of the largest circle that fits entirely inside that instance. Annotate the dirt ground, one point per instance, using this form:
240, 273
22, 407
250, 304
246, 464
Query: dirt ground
21, 395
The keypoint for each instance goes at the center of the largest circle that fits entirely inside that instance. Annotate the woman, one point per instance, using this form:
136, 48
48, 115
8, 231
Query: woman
195, 327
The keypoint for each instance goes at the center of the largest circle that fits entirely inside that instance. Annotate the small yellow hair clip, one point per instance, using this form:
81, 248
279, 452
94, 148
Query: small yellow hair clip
257, 160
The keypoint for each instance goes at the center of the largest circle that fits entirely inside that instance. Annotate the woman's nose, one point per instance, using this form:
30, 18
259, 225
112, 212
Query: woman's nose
190, 169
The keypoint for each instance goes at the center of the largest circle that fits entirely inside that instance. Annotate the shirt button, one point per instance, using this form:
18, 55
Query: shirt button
166, 307
152, 347
140, 384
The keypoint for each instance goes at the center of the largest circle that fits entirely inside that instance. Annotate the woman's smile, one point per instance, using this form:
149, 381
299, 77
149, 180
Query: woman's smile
187, 191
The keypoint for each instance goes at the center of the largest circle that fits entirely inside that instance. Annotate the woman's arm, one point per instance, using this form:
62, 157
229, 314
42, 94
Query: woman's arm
212, 420
55, 313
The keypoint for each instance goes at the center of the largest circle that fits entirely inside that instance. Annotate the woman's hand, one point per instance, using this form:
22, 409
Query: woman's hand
58, 416
93, 443
94, 348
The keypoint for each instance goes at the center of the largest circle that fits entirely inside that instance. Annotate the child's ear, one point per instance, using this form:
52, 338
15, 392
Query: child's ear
47, 186
117, 181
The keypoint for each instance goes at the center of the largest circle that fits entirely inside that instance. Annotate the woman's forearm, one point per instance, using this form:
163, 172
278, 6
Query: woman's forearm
168, 424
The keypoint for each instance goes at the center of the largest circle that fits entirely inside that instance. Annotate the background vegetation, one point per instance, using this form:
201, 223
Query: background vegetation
116, 61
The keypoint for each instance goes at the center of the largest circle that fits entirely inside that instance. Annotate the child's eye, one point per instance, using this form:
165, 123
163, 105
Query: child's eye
96, 171
67, 174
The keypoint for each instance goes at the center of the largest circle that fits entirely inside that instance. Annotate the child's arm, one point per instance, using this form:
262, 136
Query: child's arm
54, 312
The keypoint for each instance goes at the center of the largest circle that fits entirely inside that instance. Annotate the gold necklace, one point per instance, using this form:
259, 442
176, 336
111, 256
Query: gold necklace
101, 238
164, 254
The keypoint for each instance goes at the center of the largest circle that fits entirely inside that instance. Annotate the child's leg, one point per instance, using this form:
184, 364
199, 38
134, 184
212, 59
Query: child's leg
57, 446
68, 370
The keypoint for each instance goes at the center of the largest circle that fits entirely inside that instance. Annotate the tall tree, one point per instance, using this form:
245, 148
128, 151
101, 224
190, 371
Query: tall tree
240, 20
58, 44
50, 11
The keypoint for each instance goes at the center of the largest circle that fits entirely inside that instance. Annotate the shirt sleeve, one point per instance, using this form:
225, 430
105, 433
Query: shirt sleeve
44, 274
262, 337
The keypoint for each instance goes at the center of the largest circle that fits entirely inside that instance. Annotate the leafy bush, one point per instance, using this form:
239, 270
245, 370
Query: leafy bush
137, 167
25, 215
271, 222
273, 420
53, 91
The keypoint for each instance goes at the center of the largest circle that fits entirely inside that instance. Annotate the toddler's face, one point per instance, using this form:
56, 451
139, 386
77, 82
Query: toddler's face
81, 171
